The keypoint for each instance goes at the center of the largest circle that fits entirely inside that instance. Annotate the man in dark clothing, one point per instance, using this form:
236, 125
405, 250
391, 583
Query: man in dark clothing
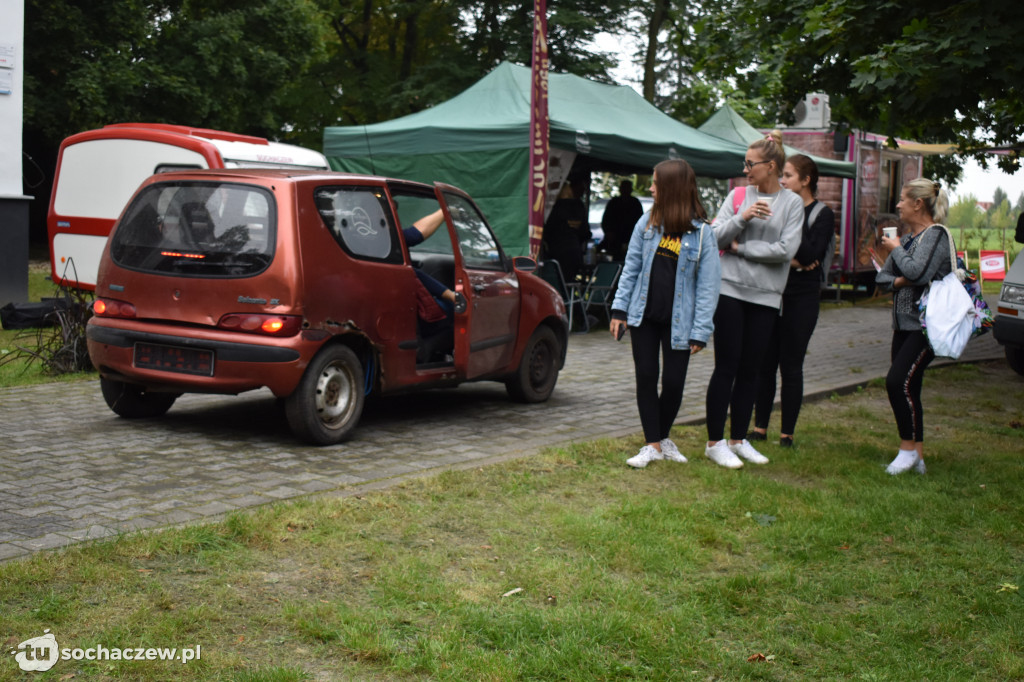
620, 216
567, 229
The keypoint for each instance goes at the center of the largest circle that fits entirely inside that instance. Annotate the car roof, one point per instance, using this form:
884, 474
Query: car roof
283, 174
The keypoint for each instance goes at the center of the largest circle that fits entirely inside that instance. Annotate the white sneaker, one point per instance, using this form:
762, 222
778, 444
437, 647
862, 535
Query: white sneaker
745, 450
646, 455
720, 454
904, 462
670, 452
920, 467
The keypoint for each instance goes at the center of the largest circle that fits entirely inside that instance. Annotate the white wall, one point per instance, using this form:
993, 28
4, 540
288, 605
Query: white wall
12, 48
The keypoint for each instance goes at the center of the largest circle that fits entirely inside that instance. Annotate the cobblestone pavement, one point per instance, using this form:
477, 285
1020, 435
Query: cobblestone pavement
74, 471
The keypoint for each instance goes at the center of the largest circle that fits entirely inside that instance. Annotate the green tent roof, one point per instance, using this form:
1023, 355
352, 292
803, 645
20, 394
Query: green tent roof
728, 125
612, 126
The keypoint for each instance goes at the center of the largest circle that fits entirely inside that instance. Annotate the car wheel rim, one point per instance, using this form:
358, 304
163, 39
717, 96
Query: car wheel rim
540, 365
335, 395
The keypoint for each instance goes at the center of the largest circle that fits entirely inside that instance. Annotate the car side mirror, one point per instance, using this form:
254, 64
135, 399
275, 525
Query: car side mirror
524, 264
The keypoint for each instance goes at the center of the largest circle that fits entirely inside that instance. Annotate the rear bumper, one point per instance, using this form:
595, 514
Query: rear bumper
238, 364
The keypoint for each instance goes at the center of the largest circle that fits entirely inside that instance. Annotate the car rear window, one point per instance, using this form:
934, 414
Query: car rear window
197, 229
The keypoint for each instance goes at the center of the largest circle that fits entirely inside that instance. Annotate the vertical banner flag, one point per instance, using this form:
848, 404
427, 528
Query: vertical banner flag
539, 125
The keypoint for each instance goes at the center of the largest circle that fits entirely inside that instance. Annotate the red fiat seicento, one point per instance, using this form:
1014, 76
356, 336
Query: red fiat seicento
322, 287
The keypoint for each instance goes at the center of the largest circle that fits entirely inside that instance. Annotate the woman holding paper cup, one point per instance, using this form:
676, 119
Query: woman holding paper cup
787, 347
758, 238
920, 256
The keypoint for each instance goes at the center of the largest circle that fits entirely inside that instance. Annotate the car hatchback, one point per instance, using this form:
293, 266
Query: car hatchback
311, 284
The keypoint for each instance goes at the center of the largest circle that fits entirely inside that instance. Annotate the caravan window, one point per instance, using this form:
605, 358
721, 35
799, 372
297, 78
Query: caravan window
197, 229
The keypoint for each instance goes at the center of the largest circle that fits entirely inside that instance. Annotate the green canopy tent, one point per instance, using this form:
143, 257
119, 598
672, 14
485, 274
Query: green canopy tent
479, 141
728, 125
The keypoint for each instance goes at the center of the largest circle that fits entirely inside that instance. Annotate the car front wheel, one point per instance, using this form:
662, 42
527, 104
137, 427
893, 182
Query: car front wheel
328, 402
134, 402
535, 379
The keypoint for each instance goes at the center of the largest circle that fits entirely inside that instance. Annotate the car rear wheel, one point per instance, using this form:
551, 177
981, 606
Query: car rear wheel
1015, 358
328, 402
535, 379
134, 402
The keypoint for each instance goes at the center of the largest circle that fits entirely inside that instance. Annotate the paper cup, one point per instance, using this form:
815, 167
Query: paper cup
890, 232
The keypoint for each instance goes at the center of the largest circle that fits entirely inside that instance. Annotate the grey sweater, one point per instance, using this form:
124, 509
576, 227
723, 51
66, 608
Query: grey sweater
920, 259
759, 270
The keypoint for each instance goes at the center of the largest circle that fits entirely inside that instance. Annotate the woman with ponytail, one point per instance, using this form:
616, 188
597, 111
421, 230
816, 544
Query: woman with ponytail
918, 257
758, 239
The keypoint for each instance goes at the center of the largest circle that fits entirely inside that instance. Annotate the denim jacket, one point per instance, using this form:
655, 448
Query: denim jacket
698, 279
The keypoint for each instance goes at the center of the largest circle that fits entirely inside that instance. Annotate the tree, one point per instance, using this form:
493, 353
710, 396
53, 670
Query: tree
928, 70
998, 197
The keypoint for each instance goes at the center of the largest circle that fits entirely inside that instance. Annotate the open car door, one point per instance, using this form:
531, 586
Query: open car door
485, 335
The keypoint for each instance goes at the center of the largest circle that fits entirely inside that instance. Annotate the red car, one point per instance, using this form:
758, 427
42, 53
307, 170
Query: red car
311, 284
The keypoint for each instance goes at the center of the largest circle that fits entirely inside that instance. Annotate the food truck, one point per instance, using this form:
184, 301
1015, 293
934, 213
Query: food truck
99, 170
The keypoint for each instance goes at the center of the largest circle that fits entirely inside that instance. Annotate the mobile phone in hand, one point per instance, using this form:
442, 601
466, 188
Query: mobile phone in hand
619, 334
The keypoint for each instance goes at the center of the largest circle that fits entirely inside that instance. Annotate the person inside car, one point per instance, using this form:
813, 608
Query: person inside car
436, 304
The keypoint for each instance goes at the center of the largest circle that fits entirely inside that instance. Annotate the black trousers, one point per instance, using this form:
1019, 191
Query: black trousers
911, 355
741, 331
657, 412
787, 349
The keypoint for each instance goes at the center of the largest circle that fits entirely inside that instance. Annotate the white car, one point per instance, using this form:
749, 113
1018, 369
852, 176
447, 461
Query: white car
1008, 327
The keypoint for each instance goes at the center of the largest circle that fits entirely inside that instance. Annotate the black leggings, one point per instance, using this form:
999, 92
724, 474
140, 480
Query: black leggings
786, 352
911, 355
741, 331
657, 412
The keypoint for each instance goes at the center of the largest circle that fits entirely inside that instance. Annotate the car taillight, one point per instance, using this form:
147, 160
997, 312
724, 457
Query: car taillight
110, 307
273, 325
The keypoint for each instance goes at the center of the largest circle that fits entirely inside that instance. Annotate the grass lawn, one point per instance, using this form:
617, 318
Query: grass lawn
570, 566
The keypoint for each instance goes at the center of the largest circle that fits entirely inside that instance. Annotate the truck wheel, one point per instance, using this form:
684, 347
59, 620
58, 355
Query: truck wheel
134, 402
1015, 358
328, 402
535, 379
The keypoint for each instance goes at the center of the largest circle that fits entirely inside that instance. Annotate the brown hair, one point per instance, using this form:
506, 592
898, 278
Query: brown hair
771, 149
805, 168
677, 203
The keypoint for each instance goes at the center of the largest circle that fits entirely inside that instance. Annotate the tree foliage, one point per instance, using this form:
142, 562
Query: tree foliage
928, 70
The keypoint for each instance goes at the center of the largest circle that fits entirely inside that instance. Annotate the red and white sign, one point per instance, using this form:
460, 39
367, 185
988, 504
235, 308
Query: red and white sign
993, 264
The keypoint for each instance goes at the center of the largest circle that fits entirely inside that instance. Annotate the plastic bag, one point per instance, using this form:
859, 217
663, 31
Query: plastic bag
948, 314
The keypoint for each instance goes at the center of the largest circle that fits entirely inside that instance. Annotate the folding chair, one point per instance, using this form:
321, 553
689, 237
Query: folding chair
601, 288
551, 272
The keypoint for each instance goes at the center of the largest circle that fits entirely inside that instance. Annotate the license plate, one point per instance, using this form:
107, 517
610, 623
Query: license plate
174, 359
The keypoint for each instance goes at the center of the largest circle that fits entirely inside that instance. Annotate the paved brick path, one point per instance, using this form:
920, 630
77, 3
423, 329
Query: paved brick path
73, 471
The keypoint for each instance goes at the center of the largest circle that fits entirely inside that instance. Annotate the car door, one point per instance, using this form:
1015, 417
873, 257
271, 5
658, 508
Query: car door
485, 336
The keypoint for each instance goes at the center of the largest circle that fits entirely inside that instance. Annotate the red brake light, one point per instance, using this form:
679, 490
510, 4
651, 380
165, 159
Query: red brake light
273, 325
109, 307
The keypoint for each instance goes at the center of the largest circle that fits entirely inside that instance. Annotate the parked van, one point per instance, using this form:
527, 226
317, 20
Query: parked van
99, 170
1009, 320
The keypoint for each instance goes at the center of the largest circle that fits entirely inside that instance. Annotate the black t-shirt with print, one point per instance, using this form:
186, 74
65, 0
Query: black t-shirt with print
662, 287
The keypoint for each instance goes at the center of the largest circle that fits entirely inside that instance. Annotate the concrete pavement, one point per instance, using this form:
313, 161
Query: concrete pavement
74, 471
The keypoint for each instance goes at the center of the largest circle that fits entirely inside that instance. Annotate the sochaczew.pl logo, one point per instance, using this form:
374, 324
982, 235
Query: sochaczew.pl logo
37, 654
41, 653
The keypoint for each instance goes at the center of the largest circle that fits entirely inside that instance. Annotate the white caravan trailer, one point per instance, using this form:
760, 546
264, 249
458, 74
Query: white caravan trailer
99, 170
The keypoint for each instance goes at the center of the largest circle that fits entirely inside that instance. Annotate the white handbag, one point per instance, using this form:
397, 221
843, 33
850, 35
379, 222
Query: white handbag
948, 311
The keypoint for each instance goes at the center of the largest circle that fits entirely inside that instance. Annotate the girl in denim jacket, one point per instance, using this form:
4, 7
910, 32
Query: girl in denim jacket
666, 296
